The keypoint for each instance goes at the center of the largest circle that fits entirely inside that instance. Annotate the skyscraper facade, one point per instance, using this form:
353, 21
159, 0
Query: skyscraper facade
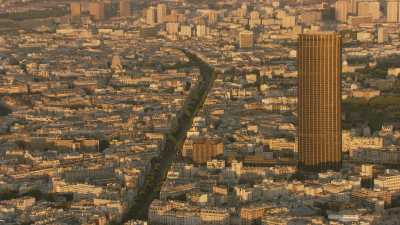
319, 101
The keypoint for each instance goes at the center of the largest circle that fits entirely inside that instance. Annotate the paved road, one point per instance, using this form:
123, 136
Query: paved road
174, 141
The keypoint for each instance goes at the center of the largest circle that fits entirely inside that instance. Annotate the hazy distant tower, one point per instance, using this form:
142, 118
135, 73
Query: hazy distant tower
161, 13
96, 10
212, 16
319, 101
254, 19
151, 16
125, 8
75, 10
243, 10
341, 10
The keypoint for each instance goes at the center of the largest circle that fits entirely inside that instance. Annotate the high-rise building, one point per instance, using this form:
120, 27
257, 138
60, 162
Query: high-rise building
125, 8
369, 8
243, 9
246, 39
151, 16
161, 13
319, 101
393, 11
96, 10
75, 8
341, 10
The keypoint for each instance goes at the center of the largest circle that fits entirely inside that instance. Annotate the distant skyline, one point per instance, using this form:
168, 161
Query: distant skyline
200, 112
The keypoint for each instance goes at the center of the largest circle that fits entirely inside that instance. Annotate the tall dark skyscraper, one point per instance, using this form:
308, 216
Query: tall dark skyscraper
319, 101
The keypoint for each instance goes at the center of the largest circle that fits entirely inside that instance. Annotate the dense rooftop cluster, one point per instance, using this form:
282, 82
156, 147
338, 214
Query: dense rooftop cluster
91, 95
